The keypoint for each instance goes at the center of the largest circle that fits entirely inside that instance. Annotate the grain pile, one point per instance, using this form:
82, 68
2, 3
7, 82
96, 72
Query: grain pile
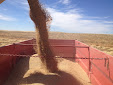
42, 19
29, 71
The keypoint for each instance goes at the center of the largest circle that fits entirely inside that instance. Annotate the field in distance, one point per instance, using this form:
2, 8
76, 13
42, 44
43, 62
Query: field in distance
103, 42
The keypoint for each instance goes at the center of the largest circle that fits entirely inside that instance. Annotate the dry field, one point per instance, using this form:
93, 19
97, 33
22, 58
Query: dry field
103, 42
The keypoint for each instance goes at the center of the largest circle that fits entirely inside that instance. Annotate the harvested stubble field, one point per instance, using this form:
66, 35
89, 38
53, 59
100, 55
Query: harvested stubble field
103, 42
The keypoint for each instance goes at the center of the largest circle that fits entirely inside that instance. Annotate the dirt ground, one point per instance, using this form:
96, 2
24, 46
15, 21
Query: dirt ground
30, 71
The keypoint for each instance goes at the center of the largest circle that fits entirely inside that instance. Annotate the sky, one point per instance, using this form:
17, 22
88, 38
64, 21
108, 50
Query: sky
71, 16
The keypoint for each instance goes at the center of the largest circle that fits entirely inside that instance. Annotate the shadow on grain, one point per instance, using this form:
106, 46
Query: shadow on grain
61, 78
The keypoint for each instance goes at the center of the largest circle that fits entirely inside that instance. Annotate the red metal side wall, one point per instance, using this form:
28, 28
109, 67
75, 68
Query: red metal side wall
7, 62
101, 71
63, 48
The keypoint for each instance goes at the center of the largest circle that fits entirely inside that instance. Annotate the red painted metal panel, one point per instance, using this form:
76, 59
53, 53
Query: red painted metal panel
83, 64
63, 48
84, 53
111, 67
7, 62
62, 42
101, 75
